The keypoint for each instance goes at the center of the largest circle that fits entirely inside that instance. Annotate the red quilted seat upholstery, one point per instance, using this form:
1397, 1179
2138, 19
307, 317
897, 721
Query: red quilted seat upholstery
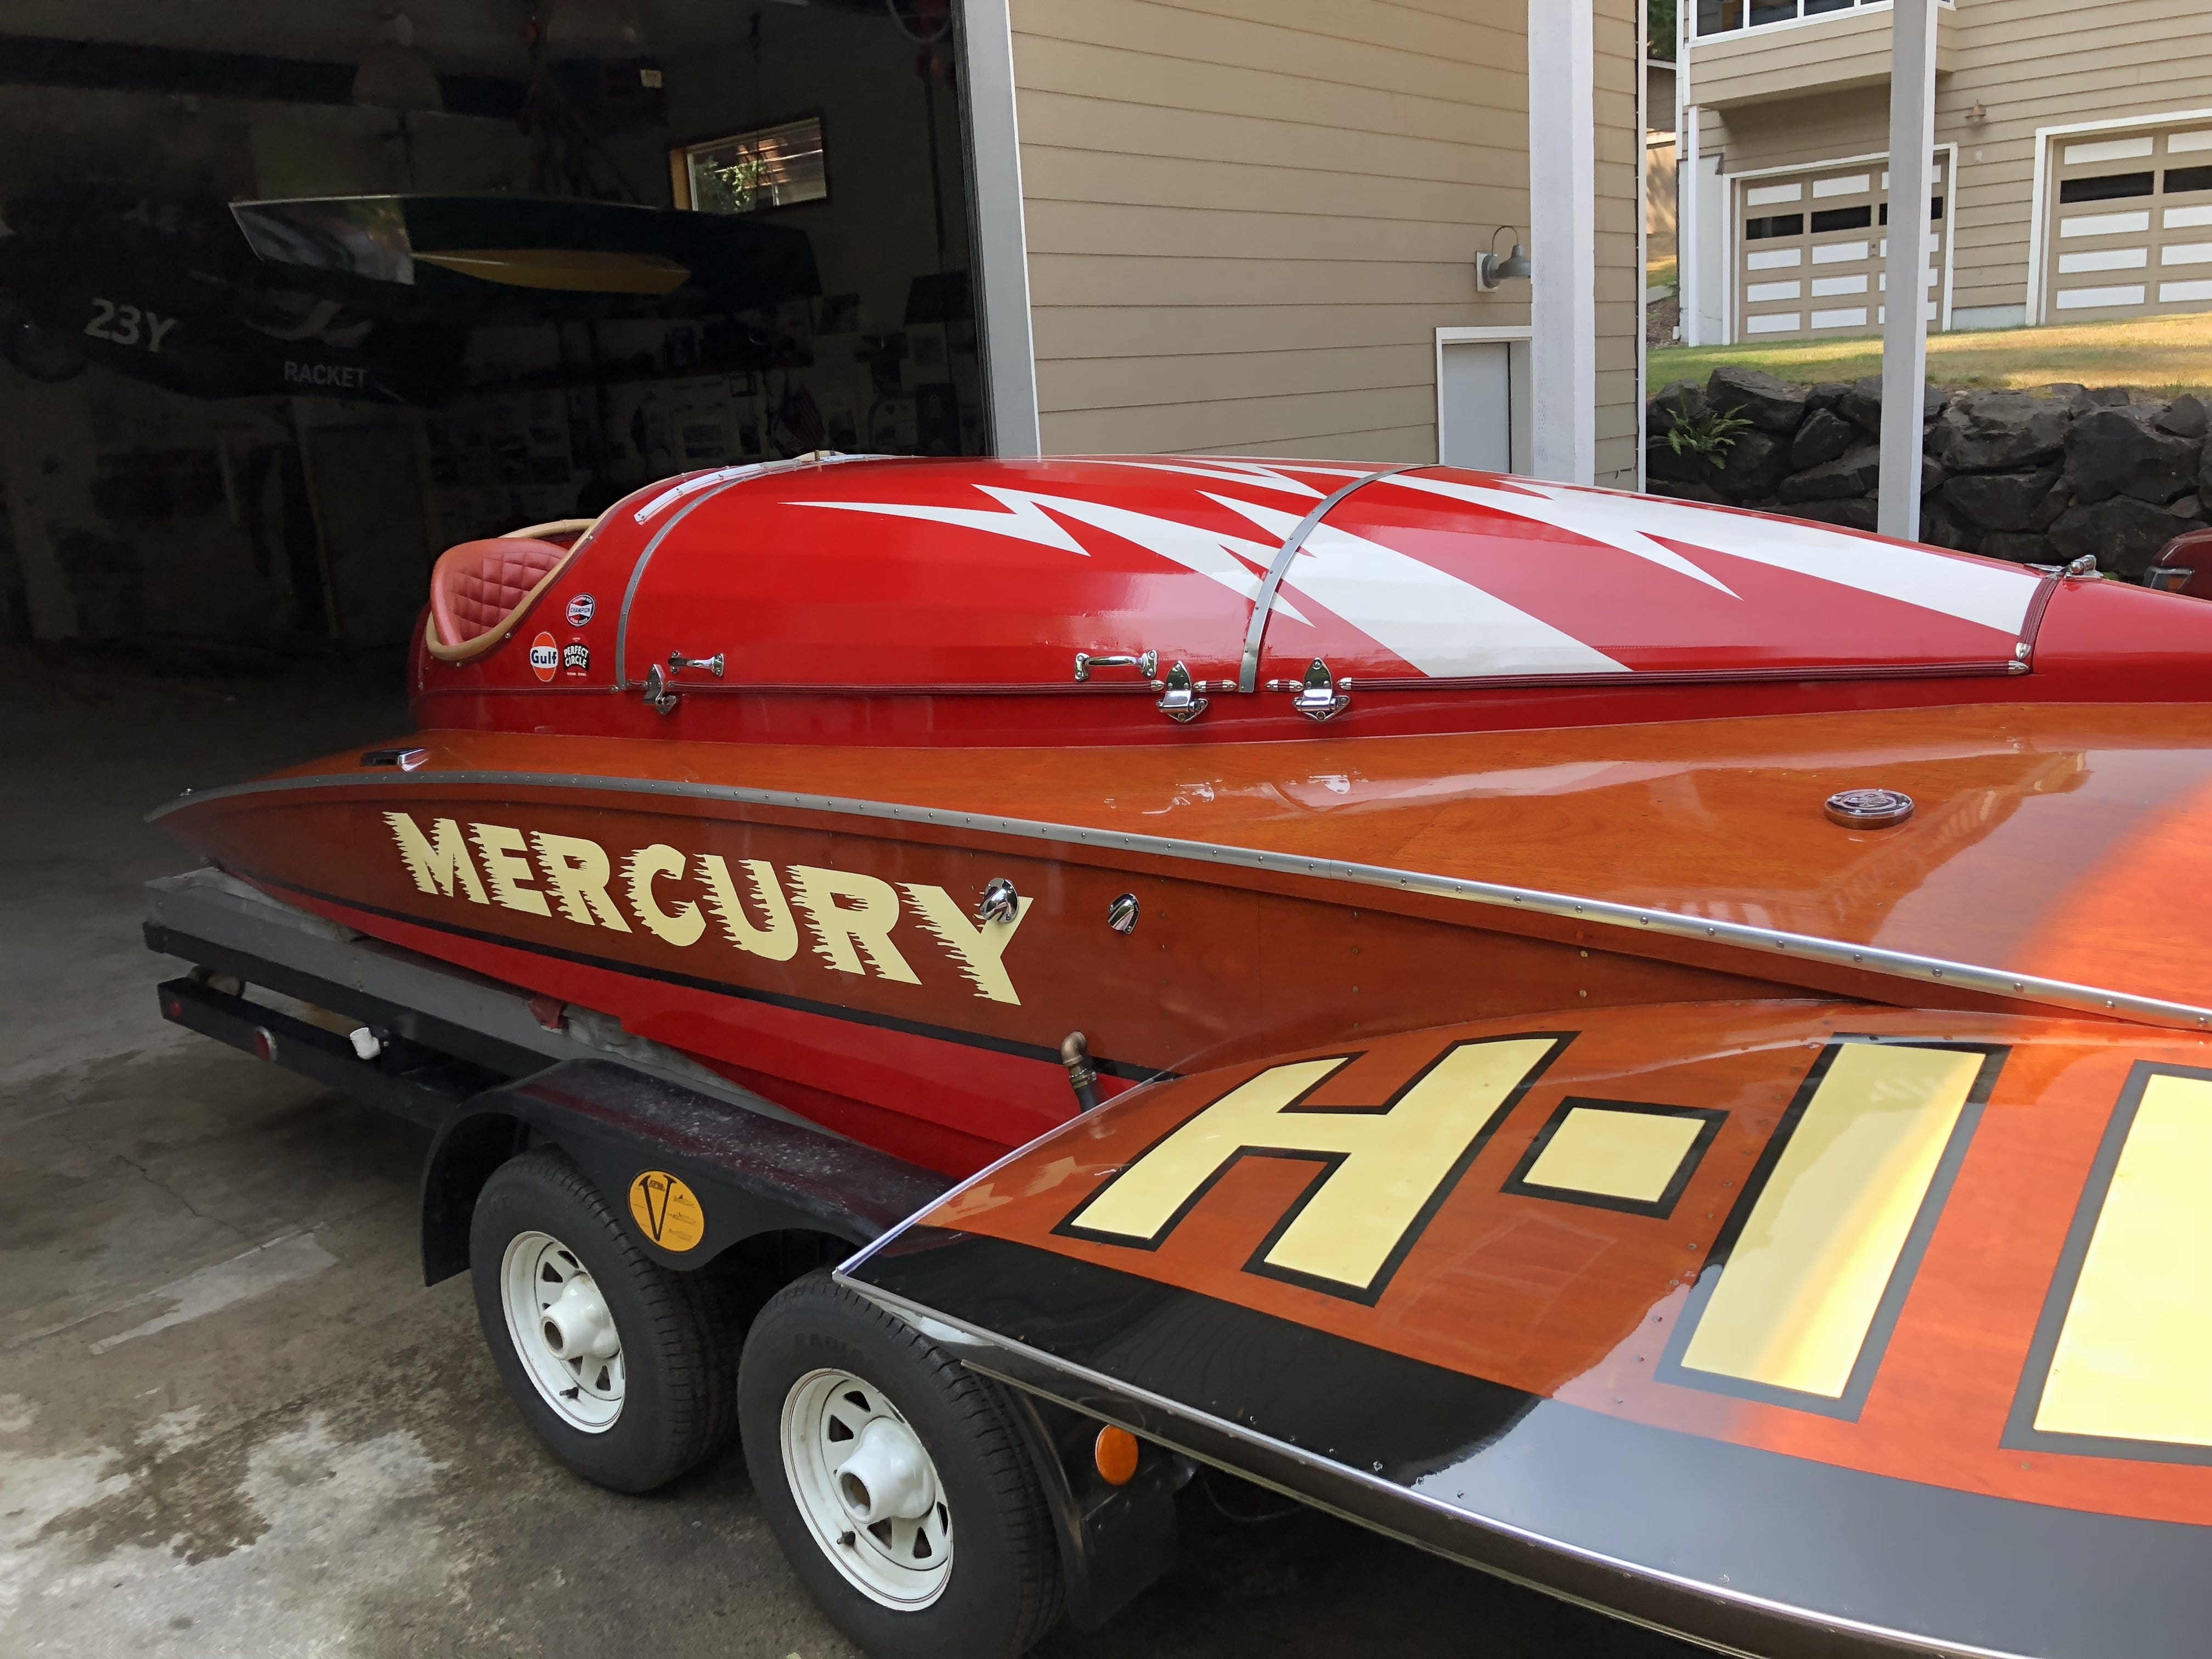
478, 589
479, 584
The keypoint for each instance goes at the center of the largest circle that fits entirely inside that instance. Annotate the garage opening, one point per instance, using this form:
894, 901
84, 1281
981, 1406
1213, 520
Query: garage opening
294, 297
1811, 250
2130, 232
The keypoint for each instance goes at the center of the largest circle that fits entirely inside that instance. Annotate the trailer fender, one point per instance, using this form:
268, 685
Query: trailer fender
691, 1176
1114, 1540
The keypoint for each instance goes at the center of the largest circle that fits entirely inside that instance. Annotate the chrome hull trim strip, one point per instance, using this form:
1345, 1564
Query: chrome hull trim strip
1806, 947
1546, 1564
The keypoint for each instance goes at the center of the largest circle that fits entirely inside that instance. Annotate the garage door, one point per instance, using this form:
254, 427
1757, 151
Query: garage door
2131, 226
1810, 250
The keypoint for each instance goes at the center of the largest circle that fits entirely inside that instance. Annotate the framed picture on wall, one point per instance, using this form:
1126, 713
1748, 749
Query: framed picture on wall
754, 171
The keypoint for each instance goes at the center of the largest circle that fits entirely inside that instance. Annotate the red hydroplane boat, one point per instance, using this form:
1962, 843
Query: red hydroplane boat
1669, 1051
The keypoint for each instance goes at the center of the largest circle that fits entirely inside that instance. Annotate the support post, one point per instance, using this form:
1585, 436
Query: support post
1001, 239
1905, 324
1562, 238
1687, 267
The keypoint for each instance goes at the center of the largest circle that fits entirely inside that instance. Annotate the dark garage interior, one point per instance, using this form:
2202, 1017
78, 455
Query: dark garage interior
294, 297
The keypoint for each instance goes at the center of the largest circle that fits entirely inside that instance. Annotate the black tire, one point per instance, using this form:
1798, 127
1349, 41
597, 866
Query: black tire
1005, 1588
678, 1398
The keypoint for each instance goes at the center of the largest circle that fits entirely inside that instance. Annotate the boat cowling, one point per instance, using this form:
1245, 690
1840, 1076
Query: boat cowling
1789, 1326
1146, 593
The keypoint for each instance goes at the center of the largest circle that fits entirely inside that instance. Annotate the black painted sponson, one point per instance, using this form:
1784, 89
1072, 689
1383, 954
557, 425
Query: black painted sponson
1728, 1544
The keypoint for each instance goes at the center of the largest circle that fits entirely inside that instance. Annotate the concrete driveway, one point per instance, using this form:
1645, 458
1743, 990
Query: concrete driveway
233, 1421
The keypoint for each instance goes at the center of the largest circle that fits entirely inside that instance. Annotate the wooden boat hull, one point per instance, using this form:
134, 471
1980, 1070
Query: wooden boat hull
828, 957
1288, 896
1803, 1329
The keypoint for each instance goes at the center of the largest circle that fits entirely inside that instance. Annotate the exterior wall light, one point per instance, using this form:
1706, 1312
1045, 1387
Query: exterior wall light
1489, 270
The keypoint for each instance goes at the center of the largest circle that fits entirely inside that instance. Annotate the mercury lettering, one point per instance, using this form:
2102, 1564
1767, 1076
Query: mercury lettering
850, 918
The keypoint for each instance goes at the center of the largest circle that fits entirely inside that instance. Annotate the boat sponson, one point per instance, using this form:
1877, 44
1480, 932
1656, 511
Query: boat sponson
1835, 1362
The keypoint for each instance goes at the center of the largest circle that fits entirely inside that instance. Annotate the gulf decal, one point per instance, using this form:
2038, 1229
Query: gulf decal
848, 921
544, 656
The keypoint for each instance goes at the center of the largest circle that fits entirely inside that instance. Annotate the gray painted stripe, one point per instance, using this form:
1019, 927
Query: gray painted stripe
1897, 964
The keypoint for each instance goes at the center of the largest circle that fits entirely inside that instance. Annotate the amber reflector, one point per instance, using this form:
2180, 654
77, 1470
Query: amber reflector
1115, 1453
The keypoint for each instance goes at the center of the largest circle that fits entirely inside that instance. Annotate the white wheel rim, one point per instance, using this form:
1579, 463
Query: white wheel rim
563, 1332
867, 1488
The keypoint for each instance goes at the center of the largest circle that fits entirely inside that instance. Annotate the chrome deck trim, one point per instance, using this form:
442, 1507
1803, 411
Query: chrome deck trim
1263, 605
1896, 964
702, 490
637, 575
1382, 1505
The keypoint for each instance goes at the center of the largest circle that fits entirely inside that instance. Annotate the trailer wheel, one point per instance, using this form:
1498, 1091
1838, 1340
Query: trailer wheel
894, 1480
622, 1367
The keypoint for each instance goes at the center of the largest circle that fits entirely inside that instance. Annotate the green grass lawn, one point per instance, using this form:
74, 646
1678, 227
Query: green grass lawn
2165, 354
1660, 273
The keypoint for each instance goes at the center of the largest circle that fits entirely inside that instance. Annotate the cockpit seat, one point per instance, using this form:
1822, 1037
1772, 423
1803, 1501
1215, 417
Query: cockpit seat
479, 590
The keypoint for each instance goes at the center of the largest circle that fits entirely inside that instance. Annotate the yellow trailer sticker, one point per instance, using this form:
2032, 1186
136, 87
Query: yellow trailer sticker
667, 1210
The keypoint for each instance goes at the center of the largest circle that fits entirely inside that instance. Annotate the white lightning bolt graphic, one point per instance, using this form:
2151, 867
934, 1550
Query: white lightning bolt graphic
1557, 508
1212, 554
1440, 625
1973, 589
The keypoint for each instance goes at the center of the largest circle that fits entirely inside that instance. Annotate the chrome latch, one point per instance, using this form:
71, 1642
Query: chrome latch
1181, 702
1146, 664
999, 902
1319, 699
677, 662
659, 695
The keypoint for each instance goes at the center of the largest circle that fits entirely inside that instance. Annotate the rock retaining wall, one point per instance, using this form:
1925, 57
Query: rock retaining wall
2039, 476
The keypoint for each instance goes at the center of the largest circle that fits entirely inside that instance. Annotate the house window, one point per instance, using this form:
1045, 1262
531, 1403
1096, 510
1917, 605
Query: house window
1728, 16
751, 172
2105, 187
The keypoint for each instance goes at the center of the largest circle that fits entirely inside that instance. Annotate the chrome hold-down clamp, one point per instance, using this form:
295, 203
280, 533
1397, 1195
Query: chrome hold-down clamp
1180, 703
677, 662
659, 695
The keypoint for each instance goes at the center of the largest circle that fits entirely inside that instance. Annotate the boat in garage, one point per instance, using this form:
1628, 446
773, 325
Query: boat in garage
1656, 1050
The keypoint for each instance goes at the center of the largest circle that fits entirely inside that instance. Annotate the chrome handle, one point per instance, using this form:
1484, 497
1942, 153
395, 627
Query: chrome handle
659, 695
1146, 663
677, 662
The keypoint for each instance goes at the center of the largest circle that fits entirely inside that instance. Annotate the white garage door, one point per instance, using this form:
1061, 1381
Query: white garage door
2130, 224
1810, 250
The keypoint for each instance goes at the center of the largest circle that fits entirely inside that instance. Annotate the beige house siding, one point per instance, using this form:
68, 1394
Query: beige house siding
1246, 219
2029, 64
1659, 200
1843, 49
